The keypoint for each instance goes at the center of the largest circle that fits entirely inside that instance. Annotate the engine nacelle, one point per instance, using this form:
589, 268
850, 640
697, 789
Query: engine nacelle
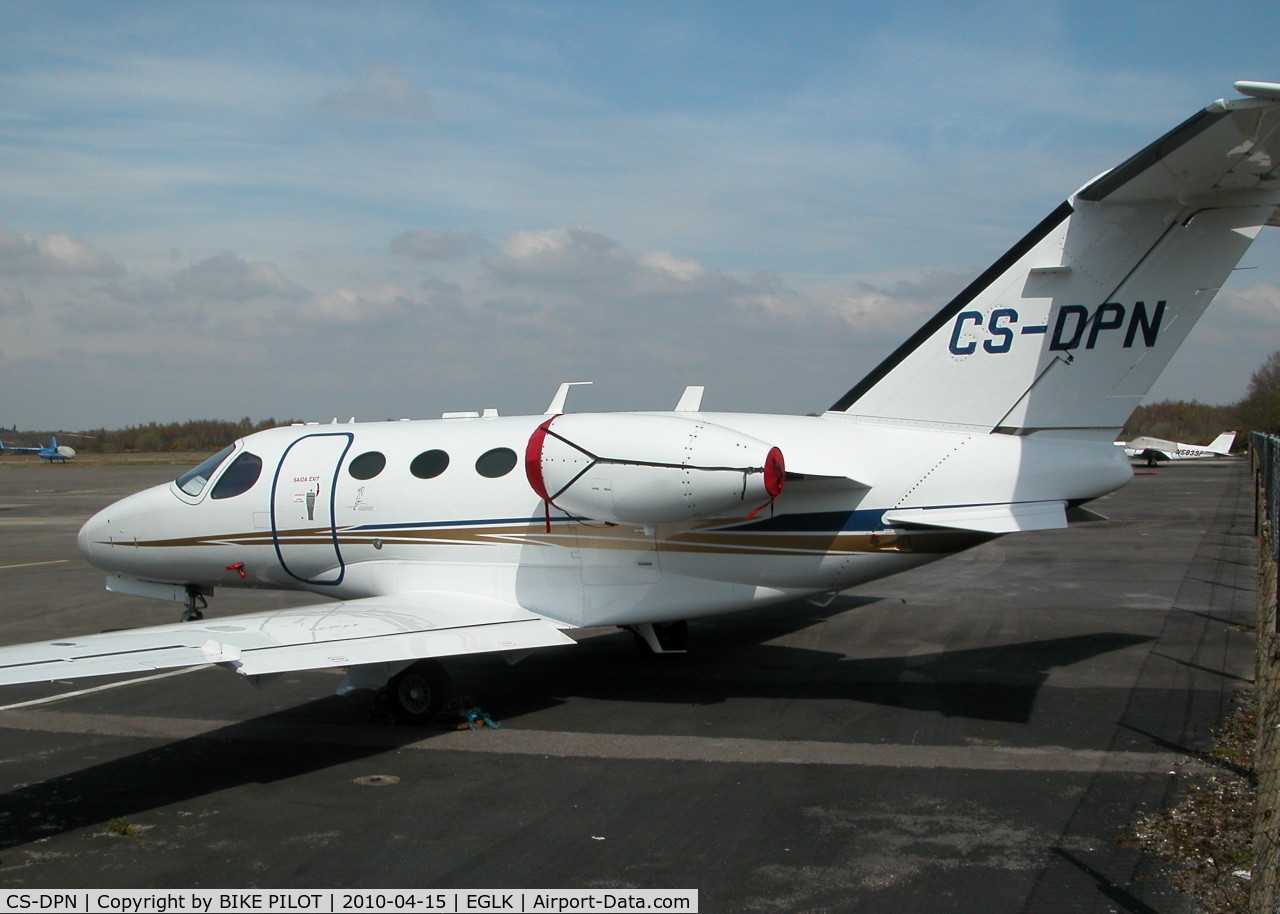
639, 469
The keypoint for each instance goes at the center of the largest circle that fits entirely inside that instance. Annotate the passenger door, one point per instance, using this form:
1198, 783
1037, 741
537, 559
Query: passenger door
302, 515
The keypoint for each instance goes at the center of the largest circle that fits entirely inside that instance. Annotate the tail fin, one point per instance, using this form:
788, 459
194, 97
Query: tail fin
1222, 444
1072, 326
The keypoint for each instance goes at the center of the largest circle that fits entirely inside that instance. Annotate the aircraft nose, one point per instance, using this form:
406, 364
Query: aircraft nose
118, 525
92, 538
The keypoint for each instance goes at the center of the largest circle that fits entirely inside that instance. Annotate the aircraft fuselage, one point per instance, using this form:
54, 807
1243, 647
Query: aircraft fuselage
367, 509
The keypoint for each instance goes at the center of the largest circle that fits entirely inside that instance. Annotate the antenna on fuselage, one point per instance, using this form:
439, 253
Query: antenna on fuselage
556, 406
691, 399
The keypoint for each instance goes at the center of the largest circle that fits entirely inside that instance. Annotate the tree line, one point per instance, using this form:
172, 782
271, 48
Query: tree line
192, 435
1198, 423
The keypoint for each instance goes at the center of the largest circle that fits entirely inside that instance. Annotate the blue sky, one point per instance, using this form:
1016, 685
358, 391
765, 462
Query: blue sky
394, 209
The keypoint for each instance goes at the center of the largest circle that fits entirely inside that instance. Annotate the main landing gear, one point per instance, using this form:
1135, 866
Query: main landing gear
662, 637
416, 694
193, 608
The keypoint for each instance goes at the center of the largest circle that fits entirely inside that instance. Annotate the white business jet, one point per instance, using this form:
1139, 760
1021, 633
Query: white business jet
486, 533
1153, 450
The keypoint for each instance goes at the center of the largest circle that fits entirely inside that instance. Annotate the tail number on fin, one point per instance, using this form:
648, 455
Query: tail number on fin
1074, 325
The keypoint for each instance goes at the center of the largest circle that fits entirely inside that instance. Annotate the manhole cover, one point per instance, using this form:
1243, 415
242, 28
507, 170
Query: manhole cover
376, 780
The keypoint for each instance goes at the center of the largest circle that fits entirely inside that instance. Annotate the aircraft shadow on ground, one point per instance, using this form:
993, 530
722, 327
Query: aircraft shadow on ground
731, 661
263, 750
998, 683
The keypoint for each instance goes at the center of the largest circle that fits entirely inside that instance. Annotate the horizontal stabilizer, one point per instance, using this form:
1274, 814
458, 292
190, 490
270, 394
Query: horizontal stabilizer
1007, 518
373, 630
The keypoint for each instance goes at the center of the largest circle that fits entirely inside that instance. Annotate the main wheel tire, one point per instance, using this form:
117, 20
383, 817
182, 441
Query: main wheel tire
415, 695
673, 636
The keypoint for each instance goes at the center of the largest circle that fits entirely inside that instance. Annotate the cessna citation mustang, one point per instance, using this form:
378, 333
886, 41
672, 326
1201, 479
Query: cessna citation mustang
486, 533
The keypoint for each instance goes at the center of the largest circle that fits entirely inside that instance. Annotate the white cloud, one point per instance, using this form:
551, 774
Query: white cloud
1257, 305
226, 276
353, 308
890, 305
52, 255
384, 91
561, 256
662, 263
576, 262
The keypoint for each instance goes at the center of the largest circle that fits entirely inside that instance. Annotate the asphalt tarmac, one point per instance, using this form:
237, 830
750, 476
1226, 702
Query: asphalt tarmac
970, 736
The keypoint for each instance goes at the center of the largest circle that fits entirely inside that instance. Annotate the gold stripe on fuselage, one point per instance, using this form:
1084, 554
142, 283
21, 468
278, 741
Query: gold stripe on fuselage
590, 536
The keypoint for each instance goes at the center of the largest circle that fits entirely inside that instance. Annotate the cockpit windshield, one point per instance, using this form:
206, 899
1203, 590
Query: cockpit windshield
239, 477
195, 479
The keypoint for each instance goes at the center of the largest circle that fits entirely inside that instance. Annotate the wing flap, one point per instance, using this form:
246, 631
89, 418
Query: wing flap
466, 639
1001, 518
377, 629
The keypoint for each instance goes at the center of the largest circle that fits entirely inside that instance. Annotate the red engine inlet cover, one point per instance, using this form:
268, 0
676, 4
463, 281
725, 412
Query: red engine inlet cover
775, 472
533, 459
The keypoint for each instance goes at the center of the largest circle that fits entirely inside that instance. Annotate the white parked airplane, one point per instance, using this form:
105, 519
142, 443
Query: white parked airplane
482, 533
1153, 450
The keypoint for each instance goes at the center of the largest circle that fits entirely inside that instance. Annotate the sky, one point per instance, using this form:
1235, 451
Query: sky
313, 210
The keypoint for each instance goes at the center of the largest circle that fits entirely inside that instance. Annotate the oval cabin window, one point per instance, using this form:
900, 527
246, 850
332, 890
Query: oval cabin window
367, 465
498, 462
429, 464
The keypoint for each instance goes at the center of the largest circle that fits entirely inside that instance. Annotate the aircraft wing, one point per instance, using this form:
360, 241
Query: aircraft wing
999, 518
398, 627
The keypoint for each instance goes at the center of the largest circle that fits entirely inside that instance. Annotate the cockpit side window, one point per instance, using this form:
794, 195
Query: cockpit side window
239, 477
195, 479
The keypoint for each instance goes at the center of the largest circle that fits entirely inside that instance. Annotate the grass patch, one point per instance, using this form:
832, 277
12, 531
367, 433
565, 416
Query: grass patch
1206, 839
123, 828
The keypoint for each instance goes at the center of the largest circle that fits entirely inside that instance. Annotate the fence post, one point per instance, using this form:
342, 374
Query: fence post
1264, 893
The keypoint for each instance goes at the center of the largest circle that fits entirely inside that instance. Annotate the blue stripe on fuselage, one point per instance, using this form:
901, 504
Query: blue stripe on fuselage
811, 522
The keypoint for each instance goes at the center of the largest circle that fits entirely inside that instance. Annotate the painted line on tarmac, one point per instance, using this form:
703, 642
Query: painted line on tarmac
32, 521
34, 564
799, 752
611, 746
102, 688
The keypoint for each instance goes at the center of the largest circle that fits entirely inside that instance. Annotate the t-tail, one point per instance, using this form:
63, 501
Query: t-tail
1071, 327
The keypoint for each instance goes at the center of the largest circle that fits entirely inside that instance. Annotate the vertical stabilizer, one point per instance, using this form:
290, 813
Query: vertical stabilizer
1222, 444
1073, 325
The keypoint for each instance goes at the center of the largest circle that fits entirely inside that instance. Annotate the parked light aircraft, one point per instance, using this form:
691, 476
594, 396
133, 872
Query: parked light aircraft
52, 452
484, 533
1152, 450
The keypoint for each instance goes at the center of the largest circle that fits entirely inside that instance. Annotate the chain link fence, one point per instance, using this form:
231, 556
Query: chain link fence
1265, 892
